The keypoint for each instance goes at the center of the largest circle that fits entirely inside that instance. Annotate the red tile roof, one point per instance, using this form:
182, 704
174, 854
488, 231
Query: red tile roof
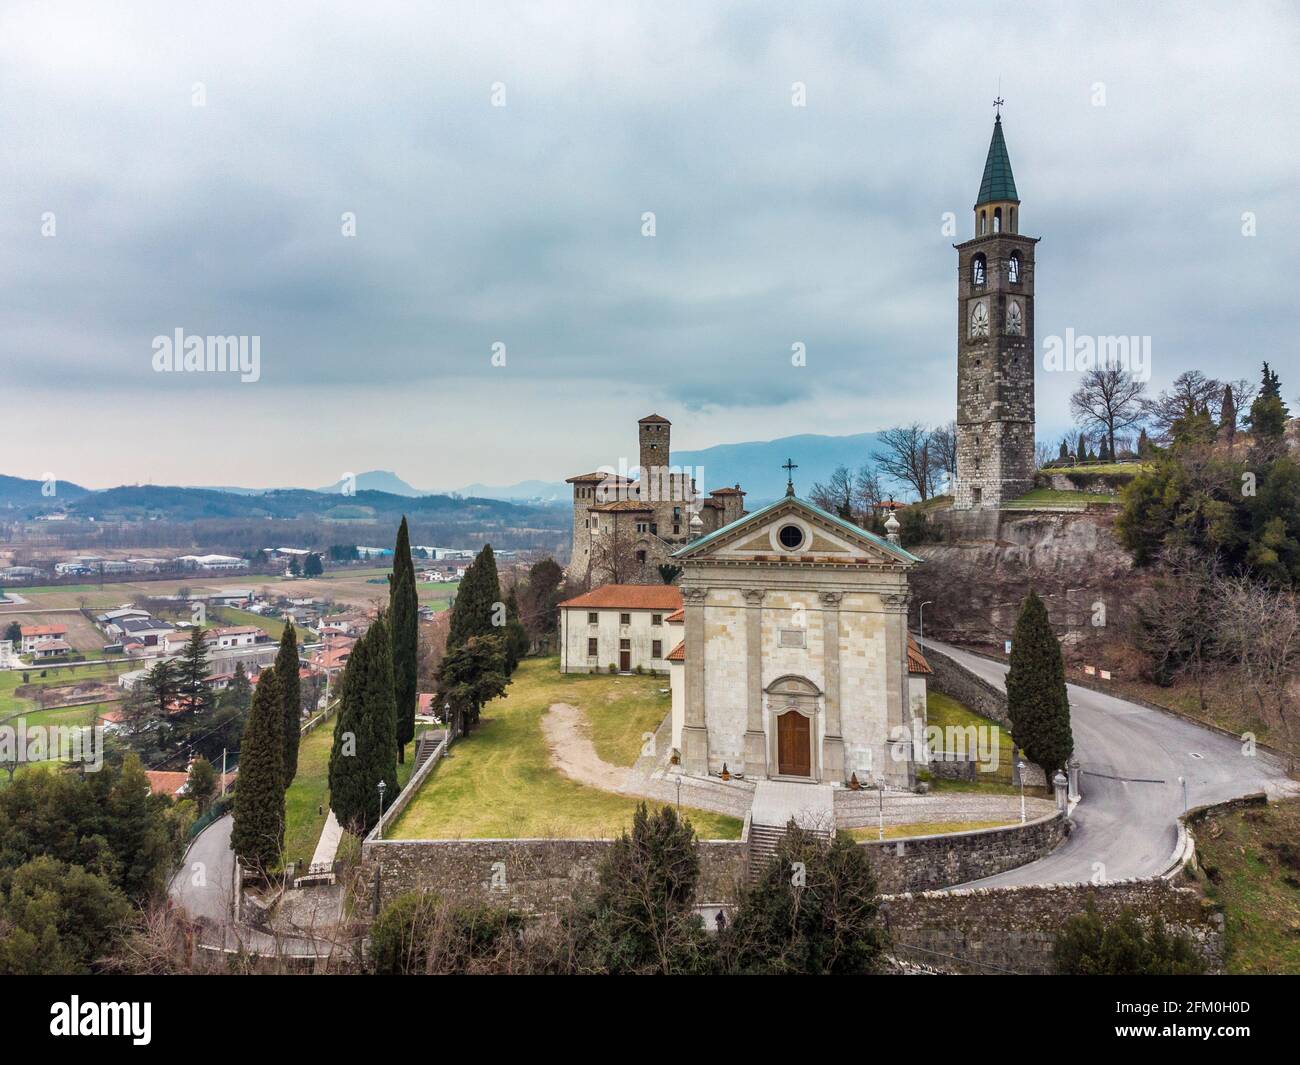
678, 653
677, 617
44, 630
666, 597
727, 491
653, 418
916, 662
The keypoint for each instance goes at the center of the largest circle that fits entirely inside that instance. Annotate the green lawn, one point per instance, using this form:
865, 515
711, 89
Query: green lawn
1252, 862
225, 616
944, 711
1058, 496
924, 828
499, 782
619, 711
309, 792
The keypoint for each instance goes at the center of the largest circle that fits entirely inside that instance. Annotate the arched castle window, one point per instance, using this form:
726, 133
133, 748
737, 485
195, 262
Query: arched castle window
997, 219
1013, 267
983, 223
978, 270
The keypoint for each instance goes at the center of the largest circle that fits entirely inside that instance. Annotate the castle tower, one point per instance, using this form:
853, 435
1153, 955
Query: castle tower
654, 434
995, 344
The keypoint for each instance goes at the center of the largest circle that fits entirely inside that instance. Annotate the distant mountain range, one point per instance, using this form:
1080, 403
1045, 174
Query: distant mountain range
755, 465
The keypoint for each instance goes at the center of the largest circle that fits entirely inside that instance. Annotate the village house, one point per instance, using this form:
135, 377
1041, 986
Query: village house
618, 625
35, 635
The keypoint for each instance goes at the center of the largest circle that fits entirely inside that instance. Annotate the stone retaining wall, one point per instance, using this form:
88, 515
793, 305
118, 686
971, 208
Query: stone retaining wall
542, 875
1014, 929
975, 693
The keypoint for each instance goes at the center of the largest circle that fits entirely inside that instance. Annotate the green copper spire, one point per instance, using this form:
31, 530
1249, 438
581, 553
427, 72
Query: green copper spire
998, 183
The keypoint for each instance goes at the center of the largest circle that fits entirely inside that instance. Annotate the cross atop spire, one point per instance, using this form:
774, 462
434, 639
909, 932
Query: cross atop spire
997, 107
789, 466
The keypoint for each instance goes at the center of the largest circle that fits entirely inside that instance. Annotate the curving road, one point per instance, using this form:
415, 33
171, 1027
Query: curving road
1131, 758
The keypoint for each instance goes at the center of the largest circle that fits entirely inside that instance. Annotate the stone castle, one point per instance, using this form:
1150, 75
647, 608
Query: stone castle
995, 344
625, 527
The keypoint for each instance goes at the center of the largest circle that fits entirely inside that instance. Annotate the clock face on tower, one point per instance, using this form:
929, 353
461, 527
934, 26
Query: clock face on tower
1015, 319
979, 319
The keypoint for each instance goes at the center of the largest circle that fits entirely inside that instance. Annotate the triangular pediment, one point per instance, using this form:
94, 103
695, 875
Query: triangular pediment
793, 530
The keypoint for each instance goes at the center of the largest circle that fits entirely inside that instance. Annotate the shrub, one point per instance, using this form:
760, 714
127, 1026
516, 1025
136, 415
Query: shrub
417, 933
814, 911
1089, 946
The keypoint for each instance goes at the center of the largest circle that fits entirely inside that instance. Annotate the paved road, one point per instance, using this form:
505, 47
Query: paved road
1131, 759
205, 881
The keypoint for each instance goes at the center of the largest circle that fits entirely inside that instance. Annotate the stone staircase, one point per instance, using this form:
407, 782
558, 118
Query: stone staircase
763, 841
425, 745
776, 804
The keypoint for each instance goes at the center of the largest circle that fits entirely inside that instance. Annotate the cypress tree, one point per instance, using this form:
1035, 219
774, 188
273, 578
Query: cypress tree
477, 600
1228, 412
404, 618
516, 637
1064, 454
192, 673
1037, 702
365, 739
258, 833
1083, 448
286, 670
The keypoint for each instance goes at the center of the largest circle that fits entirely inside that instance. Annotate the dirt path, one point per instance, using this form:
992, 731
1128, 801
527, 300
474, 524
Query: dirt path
572, 752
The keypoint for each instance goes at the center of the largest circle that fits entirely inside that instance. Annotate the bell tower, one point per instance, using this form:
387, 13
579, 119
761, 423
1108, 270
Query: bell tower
995, 343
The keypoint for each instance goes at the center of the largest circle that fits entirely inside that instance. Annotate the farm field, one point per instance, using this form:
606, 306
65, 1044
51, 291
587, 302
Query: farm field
348, 587
500, 783
52, 684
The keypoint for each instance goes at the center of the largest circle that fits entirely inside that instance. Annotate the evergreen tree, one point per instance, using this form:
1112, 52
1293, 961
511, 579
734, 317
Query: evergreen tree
642, 919
294, 569
290, 684
162, 682
516, 639
1228, 412
669, 572
192, 675
202, 783
257, 837
312, 567
478, 601
1082, 450
1037, 702
1103, 450
365, 739
824, 922
1268, 414
469, 676
404, 618
1064, 454
1144, 445
239, 695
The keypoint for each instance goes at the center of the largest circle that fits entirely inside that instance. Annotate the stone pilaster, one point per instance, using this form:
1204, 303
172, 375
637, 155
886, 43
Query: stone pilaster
695, 734
755, 736
833, 740
898, 771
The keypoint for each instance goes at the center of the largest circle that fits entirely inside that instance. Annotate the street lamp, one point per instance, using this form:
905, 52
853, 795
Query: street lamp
928, 602
1021, 767
380, 826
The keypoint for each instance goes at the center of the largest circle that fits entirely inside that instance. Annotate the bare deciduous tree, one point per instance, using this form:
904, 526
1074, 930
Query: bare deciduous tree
909, 457
1109, 400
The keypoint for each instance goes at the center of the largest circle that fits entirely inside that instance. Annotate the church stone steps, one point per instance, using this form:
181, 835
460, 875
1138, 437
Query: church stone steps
763, 841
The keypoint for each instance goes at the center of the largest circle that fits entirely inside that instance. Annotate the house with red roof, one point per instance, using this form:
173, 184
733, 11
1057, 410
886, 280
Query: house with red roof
619, 625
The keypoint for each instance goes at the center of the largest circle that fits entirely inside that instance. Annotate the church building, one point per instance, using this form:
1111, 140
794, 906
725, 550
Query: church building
995, 344
794, 659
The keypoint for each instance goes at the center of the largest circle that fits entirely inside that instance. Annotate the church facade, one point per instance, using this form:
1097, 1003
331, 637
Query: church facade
794, 659
995, 344
624, 527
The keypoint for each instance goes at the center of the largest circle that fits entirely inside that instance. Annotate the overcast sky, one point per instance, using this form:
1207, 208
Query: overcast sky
1138, 141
